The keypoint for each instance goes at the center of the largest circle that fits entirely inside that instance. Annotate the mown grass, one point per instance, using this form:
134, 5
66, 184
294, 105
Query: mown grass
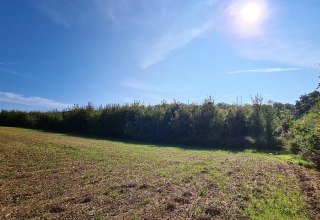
45, 175
279, 204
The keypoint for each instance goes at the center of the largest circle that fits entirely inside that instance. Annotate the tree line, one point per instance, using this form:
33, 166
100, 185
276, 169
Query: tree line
259, 125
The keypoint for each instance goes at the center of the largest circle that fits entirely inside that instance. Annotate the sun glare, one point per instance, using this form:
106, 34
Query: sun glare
251, 12
247, 18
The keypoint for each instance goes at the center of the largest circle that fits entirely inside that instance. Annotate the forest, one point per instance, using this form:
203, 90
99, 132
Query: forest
263, 126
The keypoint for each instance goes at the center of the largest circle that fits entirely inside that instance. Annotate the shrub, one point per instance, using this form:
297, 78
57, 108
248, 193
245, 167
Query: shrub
304, 135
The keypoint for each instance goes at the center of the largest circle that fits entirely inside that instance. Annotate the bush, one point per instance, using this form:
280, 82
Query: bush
304, 135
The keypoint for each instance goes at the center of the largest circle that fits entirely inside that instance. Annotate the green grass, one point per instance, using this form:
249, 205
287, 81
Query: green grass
91, 178
278, 204
296, 159
147, 200
203, 191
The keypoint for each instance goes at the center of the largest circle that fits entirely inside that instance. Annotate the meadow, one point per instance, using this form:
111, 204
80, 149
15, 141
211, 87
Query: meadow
47, 175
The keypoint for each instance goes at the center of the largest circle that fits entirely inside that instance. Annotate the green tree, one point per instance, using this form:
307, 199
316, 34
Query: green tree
306, 102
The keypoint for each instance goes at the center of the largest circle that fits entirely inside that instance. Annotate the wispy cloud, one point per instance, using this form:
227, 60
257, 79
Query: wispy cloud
64, 12
282, 50
120, 12
194, 20
177, 28
264, 70
143, 13
31, 100
172, 41
12, 72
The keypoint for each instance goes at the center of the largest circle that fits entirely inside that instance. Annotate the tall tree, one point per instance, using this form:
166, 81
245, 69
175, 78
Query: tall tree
306, 102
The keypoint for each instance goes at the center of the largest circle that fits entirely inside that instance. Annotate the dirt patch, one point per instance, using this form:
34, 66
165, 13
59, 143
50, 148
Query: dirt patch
202, 217
187, 194
182, 200
56, 209
129, 185
187, 179
170, 207
123, 186
86, 200
309, 185
204, 171
143, 186
213, 211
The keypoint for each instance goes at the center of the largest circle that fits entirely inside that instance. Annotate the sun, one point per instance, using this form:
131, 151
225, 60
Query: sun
247, 18
251, 12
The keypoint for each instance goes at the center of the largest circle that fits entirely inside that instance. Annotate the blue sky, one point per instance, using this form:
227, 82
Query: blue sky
57, 53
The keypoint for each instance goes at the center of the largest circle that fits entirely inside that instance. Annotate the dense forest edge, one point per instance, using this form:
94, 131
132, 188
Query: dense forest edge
263, 126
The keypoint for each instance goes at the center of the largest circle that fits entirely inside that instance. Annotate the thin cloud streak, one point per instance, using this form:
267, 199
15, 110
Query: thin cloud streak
82, 12
268, 47
31, 100
282, 50
64, 12
12, 72
265, 70
172, 41
120, 13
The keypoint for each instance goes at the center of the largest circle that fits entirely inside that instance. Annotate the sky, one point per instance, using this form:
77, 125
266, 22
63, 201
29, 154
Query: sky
54, 54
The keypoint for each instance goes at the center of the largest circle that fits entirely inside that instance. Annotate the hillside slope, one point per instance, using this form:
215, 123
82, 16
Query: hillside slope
56, 176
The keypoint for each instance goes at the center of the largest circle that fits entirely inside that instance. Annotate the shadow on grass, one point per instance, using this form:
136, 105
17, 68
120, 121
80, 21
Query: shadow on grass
281, 154
183, 146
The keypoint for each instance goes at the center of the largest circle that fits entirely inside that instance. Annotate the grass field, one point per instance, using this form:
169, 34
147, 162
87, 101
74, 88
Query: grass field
56, 176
